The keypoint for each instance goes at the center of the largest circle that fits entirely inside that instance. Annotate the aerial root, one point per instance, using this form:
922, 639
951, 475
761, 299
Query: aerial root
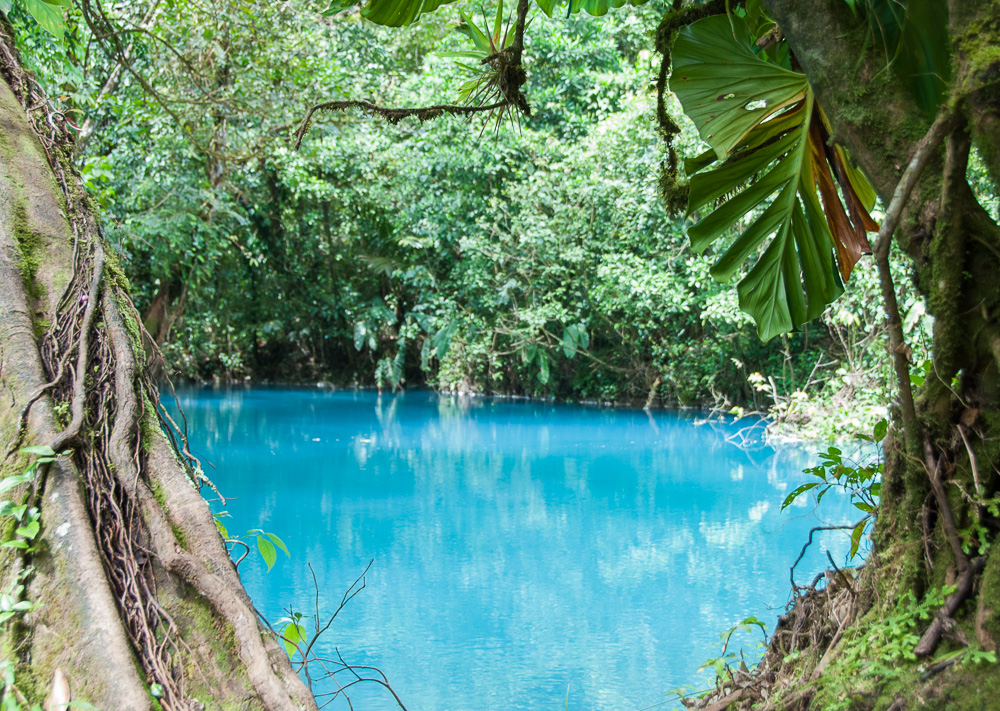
814, 625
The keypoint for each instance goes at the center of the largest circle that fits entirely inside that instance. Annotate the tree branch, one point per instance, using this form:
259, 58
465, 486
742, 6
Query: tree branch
508, 89
942, 126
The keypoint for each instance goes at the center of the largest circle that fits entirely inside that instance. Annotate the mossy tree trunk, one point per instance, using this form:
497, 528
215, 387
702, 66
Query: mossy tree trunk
943, 463
935, 525
132, 584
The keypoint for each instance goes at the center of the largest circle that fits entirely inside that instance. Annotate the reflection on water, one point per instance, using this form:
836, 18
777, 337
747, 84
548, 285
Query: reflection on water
522, 551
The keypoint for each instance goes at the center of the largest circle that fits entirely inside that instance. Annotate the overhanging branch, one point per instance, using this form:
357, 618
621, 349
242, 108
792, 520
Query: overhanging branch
506, 61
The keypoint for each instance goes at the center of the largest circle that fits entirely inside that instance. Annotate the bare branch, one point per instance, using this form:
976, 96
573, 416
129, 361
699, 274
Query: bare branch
942, 126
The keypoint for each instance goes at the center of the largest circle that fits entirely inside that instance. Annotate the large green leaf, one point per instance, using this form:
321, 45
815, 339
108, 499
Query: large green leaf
910, 33
49, 15
397, 13
727, 90
763, 121
599, 8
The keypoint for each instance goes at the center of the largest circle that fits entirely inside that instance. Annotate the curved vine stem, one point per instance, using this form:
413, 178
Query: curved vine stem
510, 91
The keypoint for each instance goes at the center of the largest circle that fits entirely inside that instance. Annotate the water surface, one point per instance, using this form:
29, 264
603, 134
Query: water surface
524, 553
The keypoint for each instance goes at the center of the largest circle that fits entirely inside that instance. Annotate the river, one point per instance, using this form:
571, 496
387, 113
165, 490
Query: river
527, 556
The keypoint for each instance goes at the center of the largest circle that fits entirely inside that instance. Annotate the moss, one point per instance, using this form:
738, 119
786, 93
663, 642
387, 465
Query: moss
149, 426
159, 494
114, 269
673, 189
199, 626
29, 246
989, 595
179, 535
131, 325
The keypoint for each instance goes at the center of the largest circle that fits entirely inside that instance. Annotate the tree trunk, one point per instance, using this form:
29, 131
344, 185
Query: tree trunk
166, 308
955, 245
937, 522
133, 585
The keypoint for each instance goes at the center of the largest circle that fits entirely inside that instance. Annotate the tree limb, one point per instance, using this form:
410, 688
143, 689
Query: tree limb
942, 126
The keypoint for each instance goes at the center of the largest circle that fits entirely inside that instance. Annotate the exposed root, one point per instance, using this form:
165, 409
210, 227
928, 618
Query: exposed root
812, 629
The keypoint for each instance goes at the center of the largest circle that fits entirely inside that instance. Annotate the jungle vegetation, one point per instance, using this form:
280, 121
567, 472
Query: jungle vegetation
536, 243
536, 260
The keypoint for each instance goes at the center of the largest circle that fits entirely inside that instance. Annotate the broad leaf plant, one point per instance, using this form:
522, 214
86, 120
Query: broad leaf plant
796, 201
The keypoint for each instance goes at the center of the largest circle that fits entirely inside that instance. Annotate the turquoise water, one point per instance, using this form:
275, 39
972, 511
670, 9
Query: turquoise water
524, 553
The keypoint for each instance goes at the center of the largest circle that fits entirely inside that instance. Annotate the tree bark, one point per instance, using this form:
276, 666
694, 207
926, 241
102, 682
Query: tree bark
133, 584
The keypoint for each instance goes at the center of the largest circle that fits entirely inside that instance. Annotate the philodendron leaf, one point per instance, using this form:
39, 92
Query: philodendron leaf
599, 8
724, 88
398, 13
763, 123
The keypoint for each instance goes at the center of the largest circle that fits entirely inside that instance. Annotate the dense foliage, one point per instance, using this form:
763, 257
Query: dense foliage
537, 259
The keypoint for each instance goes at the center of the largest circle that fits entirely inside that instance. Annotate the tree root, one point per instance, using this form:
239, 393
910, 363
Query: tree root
963, 586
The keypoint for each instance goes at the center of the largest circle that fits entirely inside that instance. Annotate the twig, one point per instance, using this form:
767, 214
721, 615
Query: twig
245, 554
972, 460
349, 595
813, 530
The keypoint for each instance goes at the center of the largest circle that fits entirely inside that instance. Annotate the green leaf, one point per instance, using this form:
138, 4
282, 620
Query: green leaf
278, 542
722, 85
598, 8
293, 634
856, 537
267, 551
221, 528
799, 491
478, 37
339, 6
763, 122
910, 33
360, 332
28, 530
543, 367
48, 15
881, 427
16, 480
498, 26
42, 450
443, 338
397, 13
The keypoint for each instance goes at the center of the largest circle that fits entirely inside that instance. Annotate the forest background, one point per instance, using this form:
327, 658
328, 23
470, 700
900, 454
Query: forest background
537, 259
